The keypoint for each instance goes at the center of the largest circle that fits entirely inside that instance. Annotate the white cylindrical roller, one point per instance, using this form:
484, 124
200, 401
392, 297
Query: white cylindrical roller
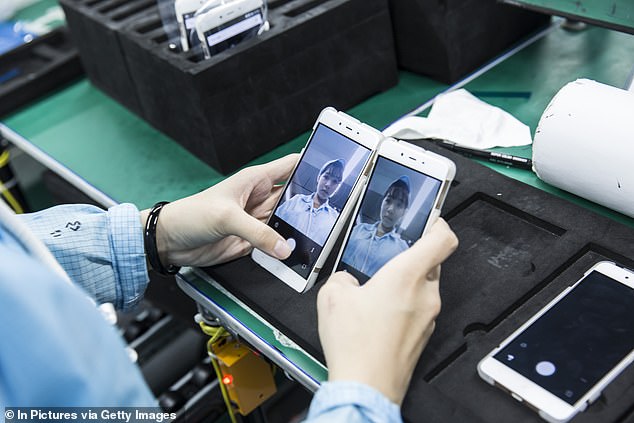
584, 144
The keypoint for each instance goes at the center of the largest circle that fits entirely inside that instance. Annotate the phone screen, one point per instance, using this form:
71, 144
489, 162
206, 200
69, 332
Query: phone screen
393, 214
316, 194
189, 21
233, 32
578, 341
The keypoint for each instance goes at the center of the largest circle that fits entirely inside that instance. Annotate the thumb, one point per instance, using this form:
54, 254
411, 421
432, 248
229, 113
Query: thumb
343, 278
333, 291
259, 235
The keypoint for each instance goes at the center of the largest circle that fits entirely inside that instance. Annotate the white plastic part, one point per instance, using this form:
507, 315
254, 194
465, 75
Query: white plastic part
584, 144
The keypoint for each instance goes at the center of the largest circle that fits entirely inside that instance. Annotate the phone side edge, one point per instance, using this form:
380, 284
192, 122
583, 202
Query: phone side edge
550, 407
279, 270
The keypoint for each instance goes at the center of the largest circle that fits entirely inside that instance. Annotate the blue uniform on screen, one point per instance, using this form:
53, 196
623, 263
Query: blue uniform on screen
311, 214
371, 245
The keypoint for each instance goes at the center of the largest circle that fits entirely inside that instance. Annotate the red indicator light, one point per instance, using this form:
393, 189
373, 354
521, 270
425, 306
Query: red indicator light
227, 380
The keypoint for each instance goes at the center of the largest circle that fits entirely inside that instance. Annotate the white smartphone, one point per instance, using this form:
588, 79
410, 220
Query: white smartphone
563, 357
229, 24
401, 200
185, 16
320, 195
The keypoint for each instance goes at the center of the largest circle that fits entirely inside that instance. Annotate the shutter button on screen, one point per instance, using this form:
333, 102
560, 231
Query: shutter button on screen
545, 368
291, 243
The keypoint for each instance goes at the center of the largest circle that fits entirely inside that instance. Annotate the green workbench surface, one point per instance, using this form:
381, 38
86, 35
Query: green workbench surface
617, 14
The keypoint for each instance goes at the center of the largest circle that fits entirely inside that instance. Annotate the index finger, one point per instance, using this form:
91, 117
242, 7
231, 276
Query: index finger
280, 170
434, 247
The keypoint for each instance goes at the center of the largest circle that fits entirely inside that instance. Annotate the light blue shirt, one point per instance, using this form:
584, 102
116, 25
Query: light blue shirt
58, 351
351, 402
367, 252
315, 223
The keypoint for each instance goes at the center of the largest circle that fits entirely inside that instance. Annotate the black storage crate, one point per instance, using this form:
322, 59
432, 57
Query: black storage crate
242, 102
35, 68
95, 27
447, 39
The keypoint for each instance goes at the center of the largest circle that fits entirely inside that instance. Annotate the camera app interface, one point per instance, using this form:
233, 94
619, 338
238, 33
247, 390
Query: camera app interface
574, 344
228, 35
392, 216
316, 194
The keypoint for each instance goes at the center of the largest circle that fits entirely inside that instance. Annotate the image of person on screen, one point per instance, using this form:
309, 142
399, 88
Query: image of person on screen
311, 214
371, 245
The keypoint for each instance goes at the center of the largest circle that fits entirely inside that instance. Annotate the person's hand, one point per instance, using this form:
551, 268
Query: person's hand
225, 221
374, 334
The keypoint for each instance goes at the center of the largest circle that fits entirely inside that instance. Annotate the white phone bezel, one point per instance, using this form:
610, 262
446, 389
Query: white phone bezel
222, 14
365, 136
550, 407
418, 159
183, 7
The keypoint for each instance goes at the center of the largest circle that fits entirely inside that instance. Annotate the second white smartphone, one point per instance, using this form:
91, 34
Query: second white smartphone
561, 359
185, 16
227, 25
402, 199
319, 195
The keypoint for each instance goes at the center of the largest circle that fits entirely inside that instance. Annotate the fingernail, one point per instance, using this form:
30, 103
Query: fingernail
282, 249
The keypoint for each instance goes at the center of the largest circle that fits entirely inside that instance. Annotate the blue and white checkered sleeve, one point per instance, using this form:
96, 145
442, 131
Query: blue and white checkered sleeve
351, 402
102, 251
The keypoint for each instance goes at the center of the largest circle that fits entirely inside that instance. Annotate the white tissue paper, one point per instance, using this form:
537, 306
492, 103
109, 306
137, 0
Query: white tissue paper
584, 144
462, 118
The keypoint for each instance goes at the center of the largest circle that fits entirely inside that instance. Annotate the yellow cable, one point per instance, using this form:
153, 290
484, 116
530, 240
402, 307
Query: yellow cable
216, 333
223, 389
4, 158
210, 330
15, 205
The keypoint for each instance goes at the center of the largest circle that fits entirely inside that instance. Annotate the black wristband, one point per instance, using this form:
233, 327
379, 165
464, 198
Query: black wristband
149, 239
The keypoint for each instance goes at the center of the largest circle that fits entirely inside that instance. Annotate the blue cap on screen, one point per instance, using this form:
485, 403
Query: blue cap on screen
405, 180
336, 167
338, 164
400, 184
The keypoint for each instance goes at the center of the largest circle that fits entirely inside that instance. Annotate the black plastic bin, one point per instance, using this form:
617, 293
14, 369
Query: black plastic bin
36, 68
242, 102
447, 39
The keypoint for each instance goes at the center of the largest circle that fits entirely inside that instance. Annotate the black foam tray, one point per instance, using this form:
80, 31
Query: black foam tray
447, 39
95, 25
245, 101
36, 68
519, 248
